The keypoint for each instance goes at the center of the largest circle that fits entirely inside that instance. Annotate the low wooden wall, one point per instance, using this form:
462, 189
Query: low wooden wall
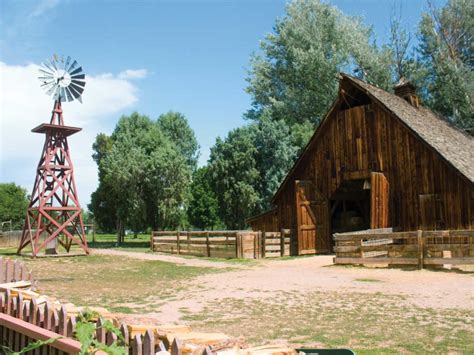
25, 321
10, 239
421, 248
222, 244
14, 271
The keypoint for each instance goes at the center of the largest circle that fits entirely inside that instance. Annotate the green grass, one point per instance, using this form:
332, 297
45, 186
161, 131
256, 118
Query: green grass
120, 284
368, 324
367, 280
109, 241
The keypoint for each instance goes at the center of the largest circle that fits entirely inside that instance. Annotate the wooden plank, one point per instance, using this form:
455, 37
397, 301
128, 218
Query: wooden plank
451, 247
185, 242
178, 243
452, 261
395, 261
420, 249
394, 235
391, 247
149, 343
32, 331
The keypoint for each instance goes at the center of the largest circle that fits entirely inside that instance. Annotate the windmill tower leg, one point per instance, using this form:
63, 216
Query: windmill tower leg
54, 211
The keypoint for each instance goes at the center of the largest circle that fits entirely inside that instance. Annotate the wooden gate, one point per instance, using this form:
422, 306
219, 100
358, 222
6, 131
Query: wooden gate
312, 214
379, 201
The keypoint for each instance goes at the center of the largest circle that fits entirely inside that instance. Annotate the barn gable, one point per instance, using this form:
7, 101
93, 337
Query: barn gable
454, 146
377, 160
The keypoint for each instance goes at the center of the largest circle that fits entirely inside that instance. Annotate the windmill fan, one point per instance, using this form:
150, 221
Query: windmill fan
61, 79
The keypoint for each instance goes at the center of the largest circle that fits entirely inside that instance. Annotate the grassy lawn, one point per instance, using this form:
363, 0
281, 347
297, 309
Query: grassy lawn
369, 324
108, 241
119, 284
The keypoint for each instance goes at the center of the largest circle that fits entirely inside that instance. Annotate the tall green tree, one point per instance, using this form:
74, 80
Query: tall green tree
446, 46
102, 205
144, 177
203, 206
175, 126
295, 76
235, 177
13, 204
275, 154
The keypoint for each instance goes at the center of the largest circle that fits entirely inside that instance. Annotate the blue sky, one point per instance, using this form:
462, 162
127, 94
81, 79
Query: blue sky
148, 56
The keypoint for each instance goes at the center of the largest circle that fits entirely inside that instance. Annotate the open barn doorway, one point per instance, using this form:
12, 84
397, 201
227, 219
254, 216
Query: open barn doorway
360, 204
350, 206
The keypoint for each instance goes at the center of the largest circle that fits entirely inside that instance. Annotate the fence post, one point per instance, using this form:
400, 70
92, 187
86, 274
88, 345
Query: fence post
178, 244
255, 235
282, 242
419, 237
151, 242
237, 245
208, 247
264, 242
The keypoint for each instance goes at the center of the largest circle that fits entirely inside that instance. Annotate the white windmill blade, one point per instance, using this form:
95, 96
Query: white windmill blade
68, 94
68, 60
62, 78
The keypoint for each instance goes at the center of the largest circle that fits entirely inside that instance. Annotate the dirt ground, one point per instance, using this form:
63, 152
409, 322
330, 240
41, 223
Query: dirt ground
305, 301
421, 288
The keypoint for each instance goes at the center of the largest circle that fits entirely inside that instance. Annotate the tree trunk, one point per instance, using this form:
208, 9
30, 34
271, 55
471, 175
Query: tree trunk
119, 231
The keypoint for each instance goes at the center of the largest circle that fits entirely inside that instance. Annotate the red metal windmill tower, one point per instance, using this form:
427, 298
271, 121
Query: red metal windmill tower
54, 213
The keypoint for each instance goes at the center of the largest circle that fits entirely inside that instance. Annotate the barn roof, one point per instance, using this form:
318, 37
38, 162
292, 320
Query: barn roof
454, 145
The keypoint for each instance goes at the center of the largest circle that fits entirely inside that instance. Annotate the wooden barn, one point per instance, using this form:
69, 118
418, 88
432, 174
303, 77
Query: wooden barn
377, 160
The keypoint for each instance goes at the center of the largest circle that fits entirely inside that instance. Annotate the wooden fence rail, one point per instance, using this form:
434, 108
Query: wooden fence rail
455, 247
23, 321
222, 244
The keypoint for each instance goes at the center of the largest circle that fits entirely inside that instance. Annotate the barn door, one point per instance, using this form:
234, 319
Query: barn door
312, 219
379, 200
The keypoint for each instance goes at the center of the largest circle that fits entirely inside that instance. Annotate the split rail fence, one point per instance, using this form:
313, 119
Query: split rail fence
24, 321
421, 248
222, 244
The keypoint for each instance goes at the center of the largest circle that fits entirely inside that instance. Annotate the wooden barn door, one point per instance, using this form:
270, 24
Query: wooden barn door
379, 201
312, 216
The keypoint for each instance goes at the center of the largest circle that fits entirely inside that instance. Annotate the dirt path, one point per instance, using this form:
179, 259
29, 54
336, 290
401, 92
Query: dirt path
167, 258
271, 278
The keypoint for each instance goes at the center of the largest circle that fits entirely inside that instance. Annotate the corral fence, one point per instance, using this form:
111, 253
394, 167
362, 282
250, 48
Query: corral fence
10, 238
421, 248
222, 244
25, 320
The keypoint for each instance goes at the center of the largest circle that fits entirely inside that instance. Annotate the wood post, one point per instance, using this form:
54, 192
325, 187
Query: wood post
237, 245
208, 247
282, 242
255, 252
178, 243
264, 240
419, 237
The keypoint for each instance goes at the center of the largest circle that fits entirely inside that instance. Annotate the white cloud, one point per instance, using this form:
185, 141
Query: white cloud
133, 74
42, 7
24, 105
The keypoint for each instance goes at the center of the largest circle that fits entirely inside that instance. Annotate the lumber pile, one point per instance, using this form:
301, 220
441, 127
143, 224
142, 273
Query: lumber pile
183, 340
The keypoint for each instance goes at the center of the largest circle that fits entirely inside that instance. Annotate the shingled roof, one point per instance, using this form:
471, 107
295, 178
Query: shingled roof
454, 145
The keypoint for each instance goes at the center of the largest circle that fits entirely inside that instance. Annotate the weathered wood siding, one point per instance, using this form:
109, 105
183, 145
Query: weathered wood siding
265, 222
425, 191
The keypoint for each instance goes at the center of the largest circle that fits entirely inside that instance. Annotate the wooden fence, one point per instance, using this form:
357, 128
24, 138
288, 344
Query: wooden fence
14, 271
23, 321
454, 247
222, 244
275, 244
